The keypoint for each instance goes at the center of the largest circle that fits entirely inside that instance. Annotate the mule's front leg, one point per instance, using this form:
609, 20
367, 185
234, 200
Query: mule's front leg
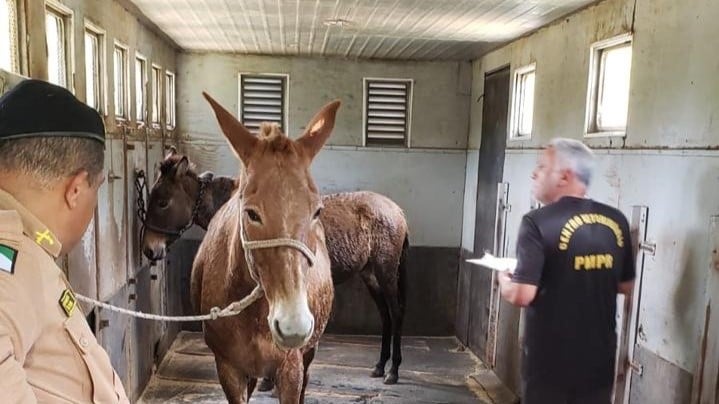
289, 378
233, 383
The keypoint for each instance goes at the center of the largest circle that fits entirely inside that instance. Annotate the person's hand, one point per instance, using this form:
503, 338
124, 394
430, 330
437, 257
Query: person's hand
505, 278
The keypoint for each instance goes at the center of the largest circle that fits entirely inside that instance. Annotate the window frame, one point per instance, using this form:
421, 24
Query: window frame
170, 102
596, 72
143, 117
14, 35
285, 95
66, 15
515, 114
407, 141
156, 99
125, 116
101, 34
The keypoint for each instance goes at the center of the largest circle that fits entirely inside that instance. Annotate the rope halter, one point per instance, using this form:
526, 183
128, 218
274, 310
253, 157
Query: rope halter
249, 245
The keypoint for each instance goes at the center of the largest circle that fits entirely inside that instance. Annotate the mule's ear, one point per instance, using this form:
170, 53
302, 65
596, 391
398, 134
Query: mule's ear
319, 129
241, 140
182, 167
171, 152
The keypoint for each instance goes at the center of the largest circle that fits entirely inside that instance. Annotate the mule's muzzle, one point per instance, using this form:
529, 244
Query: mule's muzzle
293, 336
153, 246
154, 254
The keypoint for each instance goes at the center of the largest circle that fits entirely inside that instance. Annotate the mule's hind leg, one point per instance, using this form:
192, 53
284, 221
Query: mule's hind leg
394, 287
233, 383
289, 378
307, 359
375, 291
397, 313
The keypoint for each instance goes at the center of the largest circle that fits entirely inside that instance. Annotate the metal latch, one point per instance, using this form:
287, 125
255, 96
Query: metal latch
112, 177
648, 247
637, 368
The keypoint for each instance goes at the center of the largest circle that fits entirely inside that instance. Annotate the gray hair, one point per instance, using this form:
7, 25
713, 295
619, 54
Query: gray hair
576, 156
50, 159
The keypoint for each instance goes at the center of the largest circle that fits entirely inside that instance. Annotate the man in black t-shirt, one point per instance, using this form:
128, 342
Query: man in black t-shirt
574, 256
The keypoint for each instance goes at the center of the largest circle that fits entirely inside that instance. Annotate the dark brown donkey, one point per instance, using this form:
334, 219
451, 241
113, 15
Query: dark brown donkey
268, 235
366, 235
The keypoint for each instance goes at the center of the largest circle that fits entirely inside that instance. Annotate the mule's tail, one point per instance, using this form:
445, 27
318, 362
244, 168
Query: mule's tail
402, 275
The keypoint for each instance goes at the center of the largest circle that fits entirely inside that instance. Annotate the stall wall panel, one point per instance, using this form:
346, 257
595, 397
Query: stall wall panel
660, 382
111, 235
141, 342
681, 190
83, 261
115, 333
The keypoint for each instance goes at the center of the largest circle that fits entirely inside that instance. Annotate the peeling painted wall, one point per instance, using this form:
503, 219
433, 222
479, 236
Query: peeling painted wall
672, 107
439, 107
426, 180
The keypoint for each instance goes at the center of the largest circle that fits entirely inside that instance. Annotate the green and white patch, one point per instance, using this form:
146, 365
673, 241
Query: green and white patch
7, 259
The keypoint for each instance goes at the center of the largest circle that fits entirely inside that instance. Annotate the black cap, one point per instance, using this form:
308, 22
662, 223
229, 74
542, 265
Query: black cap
36, 108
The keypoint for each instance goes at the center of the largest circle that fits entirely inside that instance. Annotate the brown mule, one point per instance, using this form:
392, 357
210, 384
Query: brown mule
267, 235
366, 234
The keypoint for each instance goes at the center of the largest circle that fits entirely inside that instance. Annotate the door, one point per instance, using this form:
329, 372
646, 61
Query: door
491, 166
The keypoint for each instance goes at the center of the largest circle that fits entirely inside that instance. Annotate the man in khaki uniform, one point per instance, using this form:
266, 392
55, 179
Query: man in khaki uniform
51, 166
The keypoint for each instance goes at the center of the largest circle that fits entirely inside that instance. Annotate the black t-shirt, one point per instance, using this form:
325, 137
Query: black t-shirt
576, 251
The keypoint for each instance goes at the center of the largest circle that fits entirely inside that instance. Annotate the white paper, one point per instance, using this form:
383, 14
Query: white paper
497, 264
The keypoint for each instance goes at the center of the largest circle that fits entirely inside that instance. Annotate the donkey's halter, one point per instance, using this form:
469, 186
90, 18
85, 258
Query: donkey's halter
249, 245
141, 213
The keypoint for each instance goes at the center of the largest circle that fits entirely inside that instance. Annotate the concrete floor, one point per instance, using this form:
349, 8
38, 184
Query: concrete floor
434, 370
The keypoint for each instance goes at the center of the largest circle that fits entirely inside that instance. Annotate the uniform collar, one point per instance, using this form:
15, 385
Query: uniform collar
32, 226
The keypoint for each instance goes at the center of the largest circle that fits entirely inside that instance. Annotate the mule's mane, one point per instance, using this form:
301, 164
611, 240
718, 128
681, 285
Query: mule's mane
169, 163
271, 135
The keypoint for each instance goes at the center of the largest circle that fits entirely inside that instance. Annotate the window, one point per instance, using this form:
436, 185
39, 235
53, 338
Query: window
58, 36
262, 99
120, 80
170, 100
8, 36
94, 72
156, 95
140, 89
387, 111
608, 96
522, 111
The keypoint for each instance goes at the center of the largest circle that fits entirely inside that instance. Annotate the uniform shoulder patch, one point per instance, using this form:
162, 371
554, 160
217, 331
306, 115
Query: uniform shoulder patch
68, 302
8, 256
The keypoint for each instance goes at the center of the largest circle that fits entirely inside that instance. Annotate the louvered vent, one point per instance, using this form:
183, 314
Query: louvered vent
387, 111
262, 99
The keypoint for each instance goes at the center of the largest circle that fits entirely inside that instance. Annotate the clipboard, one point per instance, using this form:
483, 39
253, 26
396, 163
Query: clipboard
504, 264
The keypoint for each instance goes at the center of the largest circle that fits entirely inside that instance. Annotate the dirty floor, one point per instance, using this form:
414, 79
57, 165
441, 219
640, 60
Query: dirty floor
434, 370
